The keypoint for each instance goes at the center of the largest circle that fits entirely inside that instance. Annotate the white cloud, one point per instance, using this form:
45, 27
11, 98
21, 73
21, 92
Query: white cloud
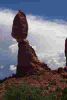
6, 17
13, 48
13, 68
48, 37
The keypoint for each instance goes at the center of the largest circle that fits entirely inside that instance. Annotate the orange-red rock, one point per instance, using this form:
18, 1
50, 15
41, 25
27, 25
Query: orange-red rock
20, 26
28, 62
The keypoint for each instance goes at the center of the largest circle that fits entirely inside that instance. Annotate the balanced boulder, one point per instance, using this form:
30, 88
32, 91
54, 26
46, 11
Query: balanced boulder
20, 26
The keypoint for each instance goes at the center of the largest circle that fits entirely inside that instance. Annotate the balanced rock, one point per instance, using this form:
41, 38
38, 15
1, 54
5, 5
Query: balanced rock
20, 26
28, 62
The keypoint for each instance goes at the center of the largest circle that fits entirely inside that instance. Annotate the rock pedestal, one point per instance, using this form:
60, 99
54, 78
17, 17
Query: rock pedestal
28, 62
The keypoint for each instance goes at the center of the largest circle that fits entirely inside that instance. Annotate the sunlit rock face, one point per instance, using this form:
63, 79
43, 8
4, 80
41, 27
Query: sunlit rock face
28, 62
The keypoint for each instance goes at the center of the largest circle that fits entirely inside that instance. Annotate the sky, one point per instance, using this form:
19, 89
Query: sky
47, 20
51, 9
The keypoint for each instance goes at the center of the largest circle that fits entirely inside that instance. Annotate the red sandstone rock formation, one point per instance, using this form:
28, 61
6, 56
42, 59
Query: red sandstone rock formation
28, 62
20, 26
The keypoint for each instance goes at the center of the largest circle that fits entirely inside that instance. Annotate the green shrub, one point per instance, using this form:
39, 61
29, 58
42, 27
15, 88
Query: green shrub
26, 92
64, 94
